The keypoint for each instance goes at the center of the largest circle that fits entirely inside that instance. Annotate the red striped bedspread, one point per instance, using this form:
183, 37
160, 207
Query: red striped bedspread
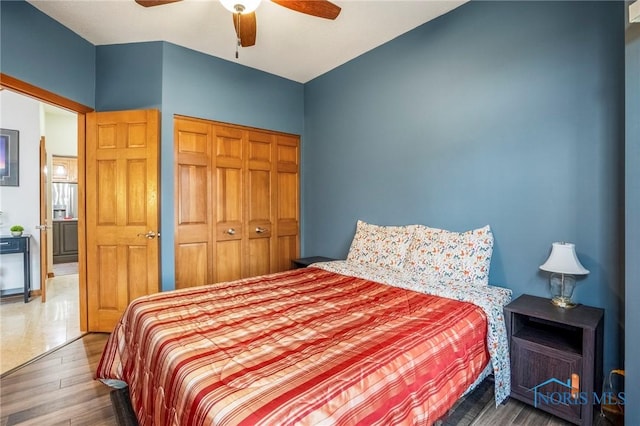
307, 347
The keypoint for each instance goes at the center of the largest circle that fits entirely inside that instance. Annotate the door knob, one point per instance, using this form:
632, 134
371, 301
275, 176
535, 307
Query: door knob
149, 235
231, 231
260, 230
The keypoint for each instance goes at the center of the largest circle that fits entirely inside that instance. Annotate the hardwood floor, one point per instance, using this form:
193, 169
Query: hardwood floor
59, 389
518, 413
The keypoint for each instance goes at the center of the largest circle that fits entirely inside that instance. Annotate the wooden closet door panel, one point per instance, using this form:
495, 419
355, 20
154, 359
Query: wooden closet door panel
288, 200
192, 264
260, 193
229, 199
192, 213
194, 251
229, 225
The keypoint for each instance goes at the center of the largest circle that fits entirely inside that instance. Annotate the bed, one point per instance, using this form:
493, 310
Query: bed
360, 341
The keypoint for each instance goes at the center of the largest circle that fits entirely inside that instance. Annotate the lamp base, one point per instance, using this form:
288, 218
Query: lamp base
562, 286
563, 302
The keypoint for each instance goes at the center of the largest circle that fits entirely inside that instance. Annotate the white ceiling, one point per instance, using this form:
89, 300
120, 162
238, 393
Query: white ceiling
289, 44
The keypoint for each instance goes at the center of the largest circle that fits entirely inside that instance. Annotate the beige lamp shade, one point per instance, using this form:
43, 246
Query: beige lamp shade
563, 260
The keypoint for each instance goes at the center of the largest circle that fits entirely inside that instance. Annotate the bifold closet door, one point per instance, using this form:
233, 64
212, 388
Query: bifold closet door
288, 201
261, 199
194, 248
229, 202
237, 201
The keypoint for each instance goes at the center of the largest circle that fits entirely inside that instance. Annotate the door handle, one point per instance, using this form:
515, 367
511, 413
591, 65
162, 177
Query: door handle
260, 230
42, 227
149, 235
231, 231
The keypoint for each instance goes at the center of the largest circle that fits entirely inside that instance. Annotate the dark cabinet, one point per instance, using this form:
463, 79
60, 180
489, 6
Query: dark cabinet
55, 243
65, 241
556, 356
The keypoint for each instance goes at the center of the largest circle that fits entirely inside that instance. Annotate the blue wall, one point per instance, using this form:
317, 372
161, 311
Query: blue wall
500, 113
198, 85
632, 246
129, 76
36, 49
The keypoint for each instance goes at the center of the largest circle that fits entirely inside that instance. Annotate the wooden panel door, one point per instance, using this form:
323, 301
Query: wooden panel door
121, 212
260, 199
288, 200
193, 220
228, 195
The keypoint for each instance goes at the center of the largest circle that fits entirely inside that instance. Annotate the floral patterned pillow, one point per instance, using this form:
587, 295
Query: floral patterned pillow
451, 256
377, 245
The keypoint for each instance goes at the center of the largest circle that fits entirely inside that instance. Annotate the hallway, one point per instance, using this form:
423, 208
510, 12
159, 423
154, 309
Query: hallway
28, 330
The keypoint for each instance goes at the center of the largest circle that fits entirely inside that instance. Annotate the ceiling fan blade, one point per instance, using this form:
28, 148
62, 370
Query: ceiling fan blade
149, 3
248, 27
320, 8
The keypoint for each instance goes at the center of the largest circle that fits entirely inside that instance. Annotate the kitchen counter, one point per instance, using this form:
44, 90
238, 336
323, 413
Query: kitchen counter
66, 220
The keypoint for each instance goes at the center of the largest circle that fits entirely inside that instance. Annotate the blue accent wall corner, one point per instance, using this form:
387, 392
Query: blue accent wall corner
38, 50
129, 76
481, 117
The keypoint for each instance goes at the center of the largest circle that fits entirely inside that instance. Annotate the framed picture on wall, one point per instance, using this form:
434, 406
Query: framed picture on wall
9, 164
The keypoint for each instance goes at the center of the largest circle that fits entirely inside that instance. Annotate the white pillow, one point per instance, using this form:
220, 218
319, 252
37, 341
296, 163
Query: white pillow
451, 256
384, 246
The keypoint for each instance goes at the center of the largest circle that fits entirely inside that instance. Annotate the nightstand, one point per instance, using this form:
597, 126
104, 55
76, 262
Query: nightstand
303, 262
550, 345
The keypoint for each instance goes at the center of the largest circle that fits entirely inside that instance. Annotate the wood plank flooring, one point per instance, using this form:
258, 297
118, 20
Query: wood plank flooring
58, 389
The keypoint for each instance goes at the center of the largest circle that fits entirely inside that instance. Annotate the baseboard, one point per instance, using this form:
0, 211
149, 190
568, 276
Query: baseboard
32, 293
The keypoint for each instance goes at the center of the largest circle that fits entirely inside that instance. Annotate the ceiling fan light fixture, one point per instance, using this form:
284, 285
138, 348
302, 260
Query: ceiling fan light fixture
240, 6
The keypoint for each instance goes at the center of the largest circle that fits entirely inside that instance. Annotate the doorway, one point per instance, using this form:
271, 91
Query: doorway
63, 317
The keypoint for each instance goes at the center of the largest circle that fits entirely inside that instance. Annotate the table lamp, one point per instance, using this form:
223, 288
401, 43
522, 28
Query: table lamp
563, 265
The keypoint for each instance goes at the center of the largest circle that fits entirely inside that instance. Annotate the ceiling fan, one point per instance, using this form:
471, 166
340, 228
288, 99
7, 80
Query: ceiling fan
244, 16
